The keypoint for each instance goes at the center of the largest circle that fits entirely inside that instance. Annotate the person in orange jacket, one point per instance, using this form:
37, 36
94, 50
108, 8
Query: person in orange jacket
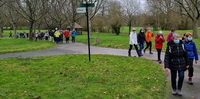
148, 37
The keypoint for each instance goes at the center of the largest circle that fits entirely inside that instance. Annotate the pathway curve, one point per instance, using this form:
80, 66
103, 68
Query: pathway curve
189, 91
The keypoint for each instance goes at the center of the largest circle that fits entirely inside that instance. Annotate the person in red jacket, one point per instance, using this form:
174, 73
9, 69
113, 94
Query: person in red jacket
67, 35
159, 40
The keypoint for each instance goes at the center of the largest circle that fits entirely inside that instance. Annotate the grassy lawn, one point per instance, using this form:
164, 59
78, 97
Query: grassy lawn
72, 76
18, 45
122, 41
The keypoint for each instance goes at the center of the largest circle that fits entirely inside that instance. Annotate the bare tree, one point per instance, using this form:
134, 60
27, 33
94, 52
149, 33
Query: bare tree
72, 16
32, 11
2, 2
11, 15
192, 10
93, 11
130, 9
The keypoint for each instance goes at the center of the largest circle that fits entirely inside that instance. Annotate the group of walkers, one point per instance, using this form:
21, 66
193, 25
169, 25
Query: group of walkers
140, 39
57, 35
179, 54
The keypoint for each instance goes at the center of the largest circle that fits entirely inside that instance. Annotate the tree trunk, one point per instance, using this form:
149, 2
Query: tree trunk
1, 31
15, 30
129, 27
90, 27
195, 28
39, 27
31, 30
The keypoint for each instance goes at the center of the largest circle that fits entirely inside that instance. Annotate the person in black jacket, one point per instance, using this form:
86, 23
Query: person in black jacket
176, 61
141, 40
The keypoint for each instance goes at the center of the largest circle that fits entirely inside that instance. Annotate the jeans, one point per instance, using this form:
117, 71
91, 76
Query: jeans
159, 54
136, 48
180, 79
141, 47
149, 45
190, 69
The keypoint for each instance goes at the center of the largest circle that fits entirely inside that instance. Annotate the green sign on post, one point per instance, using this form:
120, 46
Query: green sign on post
89, 5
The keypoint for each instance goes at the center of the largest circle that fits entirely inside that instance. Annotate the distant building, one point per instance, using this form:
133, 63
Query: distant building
78, 29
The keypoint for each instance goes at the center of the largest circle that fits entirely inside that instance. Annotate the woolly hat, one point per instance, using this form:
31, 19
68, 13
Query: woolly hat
148, 28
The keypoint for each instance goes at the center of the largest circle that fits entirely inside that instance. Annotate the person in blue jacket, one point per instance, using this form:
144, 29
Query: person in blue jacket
73, 34
191, 49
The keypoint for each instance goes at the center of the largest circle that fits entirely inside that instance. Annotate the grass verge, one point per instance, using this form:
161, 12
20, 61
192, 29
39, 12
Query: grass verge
18, 45
72, 76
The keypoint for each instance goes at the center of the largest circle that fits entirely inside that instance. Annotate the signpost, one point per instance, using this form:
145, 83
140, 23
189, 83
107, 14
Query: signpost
81, 10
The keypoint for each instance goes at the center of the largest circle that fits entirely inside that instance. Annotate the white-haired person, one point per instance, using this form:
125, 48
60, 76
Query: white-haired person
177, 62
133, 42
159, 40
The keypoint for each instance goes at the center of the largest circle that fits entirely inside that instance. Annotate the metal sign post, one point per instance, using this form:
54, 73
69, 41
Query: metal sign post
86, 5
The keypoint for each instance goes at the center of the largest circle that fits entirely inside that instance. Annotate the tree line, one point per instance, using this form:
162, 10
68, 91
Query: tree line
107, 15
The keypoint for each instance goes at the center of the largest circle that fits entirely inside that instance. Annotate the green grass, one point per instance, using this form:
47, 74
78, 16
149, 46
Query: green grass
73, 77
122, 41
18, 45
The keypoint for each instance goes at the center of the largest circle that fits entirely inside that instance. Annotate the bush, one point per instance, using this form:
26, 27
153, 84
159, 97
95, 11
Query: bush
116, 27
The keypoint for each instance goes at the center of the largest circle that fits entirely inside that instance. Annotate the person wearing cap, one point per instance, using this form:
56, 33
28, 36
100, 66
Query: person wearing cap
159, 40
191, 49
148, 37
133, 42
177, 62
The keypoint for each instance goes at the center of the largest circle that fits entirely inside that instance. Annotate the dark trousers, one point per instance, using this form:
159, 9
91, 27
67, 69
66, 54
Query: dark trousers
67, 39
149, 45
159, 54
57, 39
73, 39
141, 47
46, 38
136, 48
180, 79
190, 69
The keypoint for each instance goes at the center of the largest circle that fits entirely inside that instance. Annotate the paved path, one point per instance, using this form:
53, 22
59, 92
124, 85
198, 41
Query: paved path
189, 91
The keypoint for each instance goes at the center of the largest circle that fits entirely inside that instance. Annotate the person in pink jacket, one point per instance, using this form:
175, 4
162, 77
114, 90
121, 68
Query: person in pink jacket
170, 35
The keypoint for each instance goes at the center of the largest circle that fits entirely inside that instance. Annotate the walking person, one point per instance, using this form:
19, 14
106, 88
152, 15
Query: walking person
170, 35
10, 34
57, 35
141, 40
159, 40
46, 36
191, 49
51, 34
133, 42
148, 37
73, 36
67, 35
176, 61
36, 36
